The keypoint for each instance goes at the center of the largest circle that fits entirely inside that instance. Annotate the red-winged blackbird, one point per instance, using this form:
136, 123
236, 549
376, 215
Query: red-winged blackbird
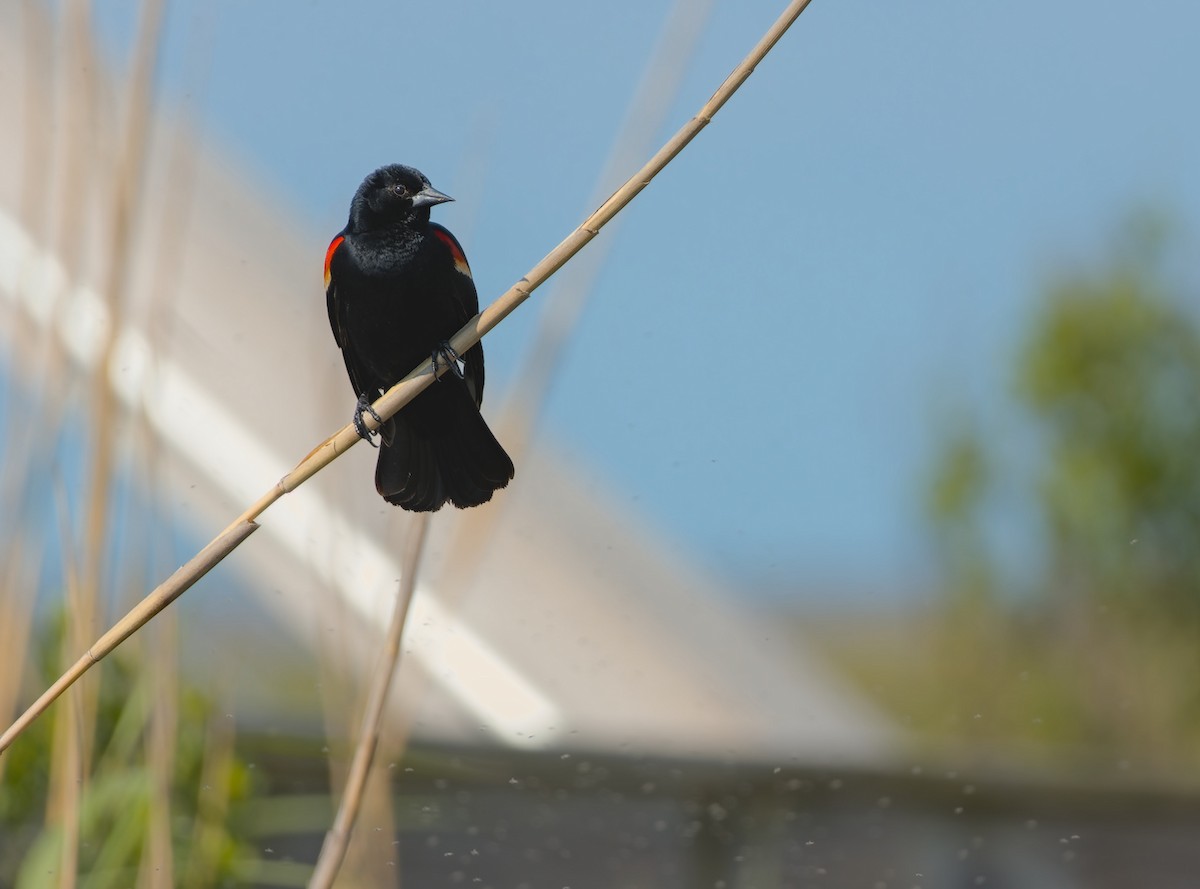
398, 287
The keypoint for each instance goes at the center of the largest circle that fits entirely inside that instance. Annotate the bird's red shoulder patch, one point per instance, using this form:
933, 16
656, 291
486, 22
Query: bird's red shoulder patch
333, 246
456, 250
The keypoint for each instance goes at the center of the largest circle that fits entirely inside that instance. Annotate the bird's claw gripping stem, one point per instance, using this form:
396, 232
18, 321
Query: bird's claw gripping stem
364, 407
444, 353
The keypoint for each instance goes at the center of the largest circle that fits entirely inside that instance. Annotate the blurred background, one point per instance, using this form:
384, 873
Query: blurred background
854, 538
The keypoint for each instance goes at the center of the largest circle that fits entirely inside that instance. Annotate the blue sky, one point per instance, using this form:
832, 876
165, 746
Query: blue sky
847, 254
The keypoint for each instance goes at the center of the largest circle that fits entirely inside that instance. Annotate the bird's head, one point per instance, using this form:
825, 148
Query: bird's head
392, 195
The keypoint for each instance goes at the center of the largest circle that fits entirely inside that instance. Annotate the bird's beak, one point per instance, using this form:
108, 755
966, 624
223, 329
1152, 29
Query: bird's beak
429, 196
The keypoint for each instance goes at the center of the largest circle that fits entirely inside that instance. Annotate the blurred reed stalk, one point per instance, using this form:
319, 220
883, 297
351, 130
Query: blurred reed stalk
65, 88
337, 839
212, 806
645, 116
404, 391
71, 767
68, 757
22, 548
58, 99
157, 866
74, 731
562, 309
20, 575
126, 202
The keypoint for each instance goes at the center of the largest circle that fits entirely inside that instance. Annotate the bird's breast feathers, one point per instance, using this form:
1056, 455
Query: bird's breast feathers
448, 240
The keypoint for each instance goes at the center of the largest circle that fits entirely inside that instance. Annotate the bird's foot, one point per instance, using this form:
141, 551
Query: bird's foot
444, 353
364, 407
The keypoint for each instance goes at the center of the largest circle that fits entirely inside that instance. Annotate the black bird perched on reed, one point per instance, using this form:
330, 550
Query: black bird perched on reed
397, 287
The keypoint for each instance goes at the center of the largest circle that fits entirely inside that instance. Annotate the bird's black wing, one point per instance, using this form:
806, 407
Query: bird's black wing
463, 292
360, 376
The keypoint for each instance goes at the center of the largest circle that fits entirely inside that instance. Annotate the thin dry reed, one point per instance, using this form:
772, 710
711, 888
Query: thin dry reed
415, 382
212, 807
69, 770
84, 615
337, 839
561, 312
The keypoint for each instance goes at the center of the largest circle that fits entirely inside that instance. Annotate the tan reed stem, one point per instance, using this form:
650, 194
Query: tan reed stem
337, 839
408, 388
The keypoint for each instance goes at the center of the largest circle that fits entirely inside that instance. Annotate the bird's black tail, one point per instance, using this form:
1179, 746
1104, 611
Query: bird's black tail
457, 458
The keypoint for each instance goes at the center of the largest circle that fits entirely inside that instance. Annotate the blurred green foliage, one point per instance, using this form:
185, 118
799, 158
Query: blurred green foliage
1089, 649
117, 805
1101, 656
1111, 376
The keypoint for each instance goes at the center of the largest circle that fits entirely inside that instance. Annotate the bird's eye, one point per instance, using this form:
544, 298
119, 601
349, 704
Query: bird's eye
400, 189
